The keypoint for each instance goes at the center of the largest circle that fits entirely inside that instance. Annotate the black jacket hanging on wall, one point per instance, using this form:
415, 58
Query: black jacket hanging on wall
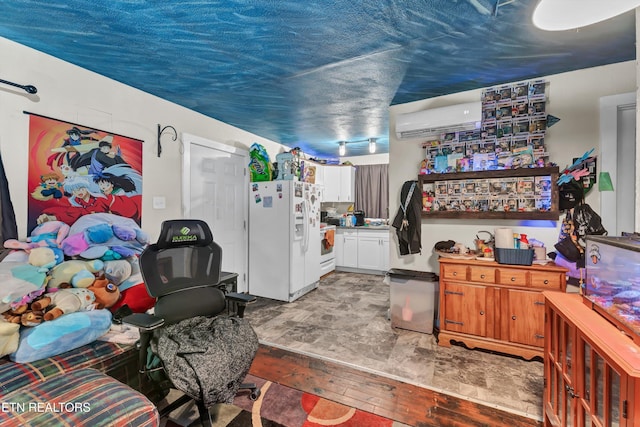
408, 220
8, 226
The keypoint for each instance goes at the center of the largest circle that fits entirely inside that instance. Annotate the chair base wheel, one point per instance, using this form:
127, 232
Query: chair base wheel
254, 395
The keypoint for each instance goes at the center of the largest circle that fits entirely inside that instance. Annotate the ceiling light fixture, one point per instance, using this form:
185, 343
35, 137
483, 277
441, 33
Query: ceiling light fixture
343, 145
372, 145
560, 15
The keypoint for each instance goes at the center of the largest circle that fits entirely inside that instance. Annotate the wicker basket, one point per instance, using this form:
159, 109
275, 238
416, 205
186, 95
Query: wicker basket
514, 256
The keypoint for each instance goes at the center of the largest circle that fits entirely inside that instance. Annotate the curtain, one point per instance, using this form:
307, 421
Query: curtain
8, 226
372, 190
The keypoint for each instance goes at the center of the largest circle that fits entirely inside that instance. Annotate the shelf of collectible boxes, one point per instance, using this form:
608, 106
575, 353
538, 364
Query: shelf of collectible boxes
525, 193
512, 134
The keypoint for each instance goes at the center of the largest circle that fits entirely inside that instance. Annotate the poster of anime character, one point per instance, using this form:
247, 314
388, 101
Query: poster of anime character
74, 171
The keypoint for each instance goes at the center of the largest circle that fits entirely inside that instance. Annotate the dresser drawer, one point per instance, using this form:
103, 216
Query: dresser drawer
483, 274
512, 277
454, 272
546, 279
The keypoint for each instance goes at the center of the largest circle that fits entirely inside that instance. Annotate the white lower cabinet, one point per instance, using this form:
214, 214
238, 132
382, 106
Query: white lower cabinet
349, 248
370, 251
362, 249
385, 250
338, 247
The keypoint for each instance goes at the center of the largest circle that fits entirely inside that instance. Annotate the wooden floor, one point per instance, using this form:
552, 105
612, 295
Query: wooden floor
380, 395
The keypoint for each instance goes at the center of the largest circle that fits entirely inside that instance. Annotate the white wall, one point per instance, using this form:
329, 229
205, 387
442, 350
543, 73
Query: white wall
369, 159
573, 97
73, 94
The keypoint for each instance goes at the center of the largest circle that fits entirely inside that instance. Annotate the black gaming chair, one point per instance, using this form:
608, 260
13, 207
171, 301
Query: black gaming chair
182, 270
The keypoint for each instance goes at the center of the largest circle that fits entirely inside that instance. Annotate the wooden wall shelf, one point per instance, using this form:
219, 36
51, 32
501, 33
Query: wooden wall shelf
551, 214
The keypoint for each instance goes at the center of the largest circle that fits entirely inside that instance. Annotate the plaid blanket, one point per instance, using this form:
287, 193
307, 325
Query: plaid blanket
104, 356
82, 397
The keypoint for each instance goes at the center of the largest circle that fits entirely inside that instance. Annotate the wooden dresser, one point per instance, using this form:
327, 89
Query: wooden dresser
495, 306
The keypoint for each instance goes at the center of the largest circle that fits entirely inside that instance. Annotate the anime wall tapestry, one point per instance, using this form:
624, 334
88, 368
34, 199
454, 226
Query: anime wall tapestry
74, 170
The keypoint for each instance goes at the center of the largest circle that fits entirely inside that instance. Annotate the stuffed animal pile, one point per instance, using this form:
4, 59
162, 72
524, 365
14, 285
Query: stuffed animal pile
63, 269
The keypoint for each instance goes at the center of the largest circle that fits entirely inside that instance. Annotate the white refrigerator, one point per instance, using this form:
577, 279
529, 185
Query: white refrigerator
284, 239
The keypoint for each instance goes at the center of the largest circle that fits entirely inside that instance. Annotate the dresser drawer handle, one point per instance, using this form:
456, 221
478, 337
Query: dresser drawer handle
453, 293
539, 303
546, 282
481, 313
513, 317
482, 276
513, 279
538, 336
455, 273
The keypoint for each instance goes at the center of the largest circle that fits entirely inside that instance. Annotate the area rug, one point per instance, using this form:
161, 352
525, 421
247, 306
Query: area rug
280, 406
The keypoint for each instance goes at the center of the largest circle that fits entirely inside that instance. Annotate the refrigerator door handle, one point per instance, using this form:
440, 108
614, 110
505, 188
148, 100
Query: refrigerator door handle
305, 226
308, 224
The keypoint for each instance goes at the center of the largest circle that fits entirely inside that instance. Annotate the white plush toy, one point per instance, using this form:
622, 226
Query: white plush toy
77, 273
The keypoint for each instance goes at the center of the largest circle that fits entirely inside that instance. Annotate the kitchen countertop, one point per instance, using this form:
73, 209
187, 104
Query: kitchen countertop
324, 227
367, 227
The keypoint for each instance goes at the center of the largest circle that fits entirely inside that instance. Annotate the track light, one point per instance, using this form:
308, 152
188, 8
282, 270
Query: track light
372, 145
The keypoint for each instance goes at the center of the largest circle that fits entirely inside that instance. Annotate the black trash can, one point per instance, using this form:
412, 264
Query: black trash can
413, 299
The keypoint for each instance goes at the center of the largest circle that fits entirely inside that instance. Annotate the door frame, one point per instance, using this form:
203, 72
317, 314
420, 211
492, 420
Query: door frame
187, 141
609, 106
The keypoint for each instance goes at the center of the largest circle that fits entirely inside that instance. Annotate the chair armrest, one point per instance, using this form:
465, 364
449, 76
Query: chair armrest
143, 321
240, 301
240, 298
146, 324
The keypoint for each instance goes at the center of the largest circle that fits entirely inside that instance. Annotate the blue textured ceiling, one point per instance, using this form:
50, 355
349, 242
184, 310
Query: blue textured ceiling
309, 73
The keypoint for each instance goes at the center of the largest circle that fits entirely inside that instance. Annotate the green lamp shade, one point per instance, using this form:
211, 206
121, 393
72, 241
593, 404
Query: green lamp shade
604, 182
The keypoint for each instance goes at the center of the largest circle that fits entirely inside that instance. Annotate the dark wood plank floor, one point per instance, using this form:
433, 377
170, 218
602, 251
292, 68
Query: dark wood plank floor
406, 403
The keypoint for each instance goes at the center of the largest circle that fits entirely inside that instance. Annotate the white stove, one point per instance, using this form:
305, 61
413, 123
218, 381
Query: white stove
327, 250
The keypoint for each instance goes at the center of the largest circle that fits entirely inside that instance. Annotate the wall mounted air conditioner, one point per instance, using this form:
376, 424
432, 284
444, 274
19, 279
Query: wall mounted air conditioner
435, 121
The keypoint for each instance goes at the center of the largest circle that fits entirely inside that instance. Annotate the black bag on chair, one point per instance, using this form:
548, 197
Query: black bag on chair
200, 354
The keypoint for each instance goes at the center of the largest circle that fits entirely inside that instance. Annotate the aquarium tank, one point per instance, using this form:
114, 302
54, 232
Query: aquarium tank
612, 283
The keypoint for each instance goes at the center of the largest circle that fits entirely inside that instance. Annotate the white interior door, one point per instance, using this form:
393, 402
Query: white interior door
215, 189
618, 157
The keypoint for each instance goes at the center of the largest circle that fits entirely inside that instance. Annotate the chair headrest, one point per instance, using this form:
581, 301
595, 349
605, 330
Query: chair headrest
176, 233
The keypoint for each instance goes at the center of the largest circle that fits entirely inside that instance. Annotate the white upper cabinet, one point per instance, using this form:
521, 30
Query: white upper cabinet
339, 183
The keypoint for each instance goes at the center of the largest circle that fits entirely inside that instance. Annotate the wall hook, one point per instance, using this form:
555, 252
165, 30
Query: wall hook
160, 132
28, 88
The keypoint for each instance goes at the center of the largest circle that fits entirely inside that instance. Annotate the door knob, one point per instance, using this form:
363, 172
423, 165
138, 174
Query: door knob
571, 391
